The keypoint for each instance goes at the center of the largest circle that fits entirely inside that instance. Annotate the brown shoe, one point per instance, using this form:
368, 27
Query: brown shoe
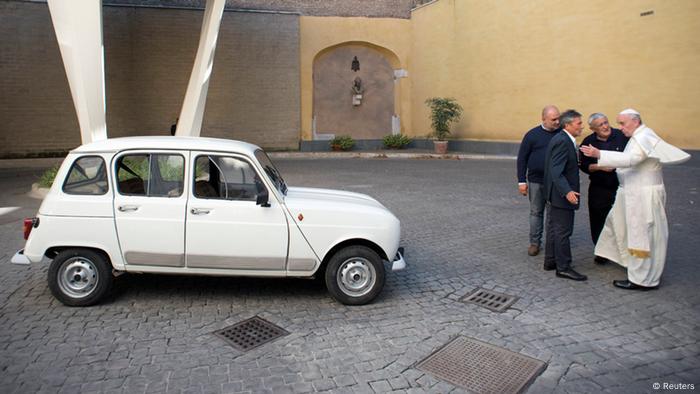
533, 250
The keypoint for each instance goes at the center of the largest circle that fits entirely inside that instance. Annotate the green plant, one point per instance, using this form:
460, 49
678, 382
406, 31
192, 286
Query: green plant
46, 179
396, 141
443, 111
342, 142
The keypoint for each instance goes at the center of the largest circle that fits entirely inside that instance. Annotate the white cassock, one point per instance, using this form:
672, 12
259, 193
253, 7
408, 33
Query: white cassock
636, 229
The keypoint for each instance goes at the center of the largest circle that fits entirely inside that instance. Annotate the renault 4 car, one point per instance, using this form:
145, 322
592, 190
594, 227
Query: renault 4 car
202, 206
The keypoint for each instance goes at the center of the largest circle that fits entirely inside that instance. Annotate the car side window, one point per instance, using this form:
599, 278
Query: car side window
151, 175
226, 178
87, 176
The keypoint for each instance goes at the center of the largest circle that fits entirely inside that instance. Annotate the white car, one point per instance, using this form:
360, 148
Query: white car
203, 206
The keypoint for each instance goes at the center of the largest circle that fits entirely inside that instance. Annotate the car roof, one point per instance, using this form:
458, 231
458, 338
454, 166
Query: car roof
167, 142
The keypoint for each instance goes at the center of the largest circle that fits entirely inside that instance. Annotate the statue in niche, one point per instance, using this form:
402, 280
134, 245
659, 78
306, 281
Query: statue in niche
355, 64
357, 91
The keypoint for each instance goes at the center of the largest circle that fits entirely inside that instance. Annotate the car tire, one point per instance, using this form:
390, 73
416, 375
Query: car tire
80, 277
355, 275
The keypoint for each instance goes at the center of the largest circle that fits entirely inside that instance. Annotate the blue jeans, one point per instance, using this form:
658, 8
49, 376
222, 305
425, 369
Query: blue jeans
535, 192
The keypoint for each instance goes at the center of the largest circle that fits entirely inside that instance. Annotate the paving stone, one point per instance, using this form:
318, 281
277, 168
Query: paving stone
381, 386
232, 387
302, 387
344, 380
289, 379
323, 384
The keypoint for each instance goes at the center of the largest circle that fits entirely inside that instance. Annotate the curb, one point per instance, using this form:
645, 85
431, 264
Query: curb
45, 163
383, 155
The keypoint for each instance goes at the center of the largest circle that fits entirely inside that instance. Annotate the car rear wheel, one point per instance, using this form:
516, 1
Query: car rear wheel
355, 275
80, 277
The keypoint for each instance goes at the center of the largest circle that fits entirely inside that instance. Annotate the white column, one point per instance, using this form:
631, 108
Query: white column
395, 124
78, 26
190, 122
396, 119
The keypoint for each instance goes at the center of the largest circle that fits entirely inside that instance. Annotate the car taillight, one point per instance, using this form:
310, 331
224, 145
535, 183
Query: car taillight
29, 224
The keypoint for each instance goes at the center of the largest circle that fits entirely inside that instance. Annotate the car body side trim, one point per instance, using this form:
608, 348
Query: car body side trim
158, 259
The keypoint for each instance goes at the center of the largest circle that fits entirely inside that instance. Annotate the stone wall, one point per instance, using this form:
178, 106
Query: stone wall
504, 61
36, 109
253, 94
368, 8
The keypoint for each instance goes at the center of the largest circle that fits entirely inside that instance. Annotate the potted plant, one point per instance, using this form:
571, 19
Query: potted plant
443, 111
41, 188
396, 141
342, 142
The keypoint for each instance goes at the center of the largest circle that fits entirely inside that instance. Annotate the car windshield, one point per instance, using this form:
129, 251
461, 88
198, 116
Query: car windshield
271, 171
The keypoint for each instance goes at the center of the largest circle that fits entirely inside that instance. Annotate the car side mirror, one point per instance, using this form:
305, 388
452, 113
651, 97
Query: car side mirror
263, 198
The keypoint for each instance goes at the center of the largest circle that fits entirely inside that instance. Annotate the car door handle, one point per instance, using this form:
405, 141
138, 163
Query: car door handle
128, 208
200, 211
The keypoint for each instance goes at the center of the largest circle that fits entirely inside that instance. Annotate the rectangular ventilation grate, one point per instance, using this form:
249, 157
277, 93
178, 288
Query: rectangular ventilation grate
482, 368
497, 302
250, 333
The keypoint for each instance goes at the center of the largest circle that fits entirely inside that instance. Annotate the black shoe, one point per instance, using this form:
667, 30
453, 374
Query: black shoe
627, 285
548, 267
600, 260
571, 274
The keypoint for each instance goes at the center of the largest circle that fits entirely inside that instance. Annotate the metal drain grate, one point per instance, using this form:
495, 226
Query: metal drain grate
497, 302
482, 368
250, 333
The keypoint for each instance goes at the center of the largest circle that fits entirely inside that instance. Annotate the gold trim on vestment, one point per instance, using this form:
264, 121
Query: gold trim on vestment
642, 254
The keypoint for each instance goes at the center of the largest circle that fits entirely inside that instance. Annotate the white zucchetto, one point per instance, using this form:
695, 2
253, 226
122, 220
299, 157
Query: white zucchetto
629, 111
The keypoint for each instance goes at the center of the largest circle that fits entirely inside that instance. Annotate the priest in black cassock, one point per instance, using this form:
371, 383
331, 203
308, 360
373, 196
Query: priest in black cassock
603, 181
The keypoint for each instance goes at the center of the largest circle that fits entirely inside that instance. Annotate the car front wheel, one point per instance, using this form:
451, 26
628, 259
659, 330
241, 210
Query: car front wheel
355, 275
80, 277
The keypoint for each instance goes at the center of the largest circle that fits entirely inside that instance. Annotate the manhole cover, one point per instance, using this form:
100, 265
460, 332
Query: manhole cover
250, 333
482, 368
497, 302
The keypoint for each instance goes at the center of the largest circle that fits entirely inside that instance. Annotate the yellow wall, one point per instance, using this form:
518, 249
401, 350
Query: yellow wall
390, 36
505, 60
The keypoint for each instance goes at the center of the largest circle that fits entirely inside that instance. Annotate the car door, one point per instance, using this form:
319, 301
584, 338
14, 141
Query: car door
225, 227
149, 207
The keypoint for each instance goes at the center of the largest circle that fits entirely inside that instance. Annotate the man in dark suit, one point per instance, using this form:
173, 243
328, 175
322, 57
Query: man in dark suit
603, 186
561, 191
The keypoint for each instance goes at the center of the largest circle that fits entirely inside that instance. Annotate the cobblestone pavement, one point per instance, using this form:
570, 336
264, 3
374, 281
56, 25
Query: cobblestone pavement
464, 226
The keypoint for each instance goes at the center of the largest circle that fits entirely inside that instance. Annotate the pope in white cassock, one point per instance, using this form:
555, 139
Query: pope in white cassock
636, 229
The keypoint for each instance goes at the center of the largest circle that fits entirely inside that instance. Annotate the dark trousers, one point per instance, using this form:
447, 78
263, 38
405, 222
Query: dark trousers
557, 249
600, 201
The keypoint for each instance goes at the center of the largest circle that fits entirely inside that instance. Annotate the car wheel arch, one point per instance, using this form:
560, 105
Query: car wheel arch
53, 251
351, 242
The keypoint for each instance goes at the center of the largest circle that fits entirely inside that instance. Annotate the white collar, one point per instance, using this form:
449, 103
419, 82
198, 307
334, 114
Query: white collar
639, 129
571, 137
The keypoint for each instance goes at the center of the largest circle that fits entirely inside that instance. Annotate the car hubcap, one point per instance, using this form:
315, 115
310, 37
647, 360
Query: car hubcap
77, 277
356, 276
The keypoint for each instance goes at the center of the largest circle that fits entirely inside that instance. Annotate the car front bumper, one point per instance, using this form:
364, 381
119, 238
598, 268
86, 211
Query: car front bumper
399, 263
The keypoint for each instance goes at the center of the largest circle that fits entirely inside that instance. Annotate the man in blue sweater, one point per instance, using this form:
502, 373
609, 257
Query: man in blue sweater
531, 171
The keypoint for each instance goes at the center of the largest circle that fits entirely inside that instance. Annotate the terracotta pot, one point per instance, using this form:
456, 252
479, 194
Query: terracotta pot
336, 148
440, 147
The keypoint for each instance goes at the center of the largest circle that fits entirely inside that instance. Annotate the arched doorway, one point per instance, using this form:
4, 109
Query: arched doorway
353, 92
